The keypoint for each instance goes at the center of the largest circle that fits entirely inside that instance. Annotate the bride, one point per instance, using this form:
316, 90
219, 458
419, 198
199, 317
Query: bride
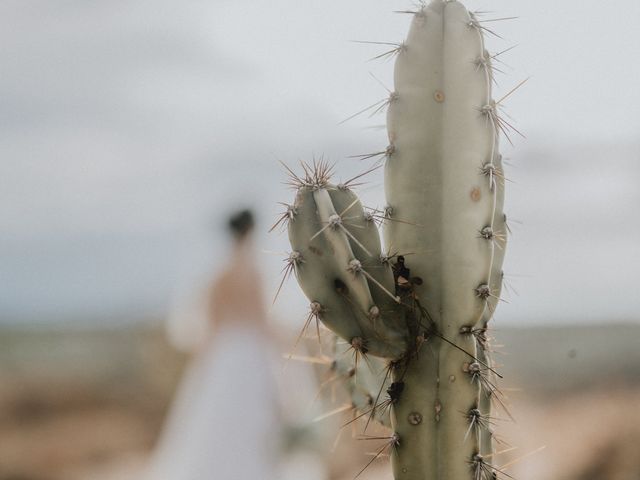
223, 424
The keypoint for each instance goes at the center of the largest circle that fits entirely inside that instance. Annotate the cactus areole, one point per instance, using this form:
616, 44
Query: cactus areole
424, 304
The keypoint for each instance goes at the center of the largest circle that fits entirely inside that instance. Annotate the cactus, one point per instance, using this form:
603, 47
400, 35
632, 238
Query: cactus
422, 306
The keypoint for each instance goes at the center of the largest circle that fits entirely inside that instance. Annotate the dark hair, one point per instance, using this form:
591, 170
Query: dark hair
241, 223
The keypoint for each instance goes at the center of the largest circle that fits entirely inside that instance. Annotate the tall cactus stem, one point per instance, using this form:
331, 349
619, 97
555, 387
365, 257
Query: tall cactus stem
427, 314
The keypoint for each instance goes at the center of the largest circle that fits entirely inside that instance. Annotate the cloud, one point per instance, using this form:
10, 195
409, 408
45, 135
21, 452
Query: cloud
129, 128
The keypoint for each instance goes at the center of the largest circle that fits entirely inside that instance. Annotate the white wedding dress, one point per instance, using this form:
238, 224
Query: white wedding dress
223, 423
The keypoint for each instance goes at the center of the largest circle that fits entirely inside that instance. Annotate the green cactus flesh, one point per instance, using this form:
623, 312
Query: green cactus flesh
445, 194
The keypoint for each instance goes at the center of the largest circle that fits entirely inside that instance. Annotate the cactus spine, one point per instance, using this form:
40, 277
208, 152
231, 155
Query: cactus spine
445, 192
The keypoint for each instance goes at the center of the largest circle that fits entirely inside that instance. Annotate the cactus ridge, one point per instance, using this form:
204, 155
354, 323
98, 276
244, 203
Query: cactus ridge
416, 322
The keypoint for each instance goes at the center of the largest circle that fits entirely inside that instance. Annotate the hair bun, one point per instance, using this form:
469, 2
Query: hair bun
241, 223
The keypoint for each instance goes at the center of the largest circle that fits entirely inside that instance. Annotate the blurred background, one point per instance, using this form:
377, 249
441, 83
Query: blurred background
130, 129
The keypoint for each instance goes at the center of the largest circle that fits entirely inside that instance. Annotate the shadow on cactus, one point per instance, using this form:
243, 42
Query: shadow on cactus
416, 314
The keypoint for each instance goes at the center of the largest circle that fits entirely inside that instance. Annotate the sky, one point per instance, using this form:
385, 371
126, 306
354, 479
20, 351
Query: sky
129, 130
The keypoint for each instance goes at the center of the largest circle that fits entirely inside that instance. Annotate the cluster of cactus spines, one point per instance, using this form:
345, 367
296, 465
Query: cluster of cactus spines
371, 394
444, 185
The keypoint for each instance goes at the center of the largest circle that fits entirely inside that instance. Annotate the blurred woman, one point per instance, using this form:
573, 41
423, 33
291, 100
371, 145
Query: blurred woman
223, 421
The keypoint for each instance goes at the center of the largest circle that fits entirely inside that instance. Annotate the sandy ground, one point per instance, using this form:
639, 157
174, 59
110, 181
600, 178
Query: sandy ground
556, 439
101, 425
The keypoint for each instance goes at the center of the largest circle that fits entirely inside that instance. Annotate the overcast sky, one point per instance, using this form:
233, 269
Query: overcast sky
129, 128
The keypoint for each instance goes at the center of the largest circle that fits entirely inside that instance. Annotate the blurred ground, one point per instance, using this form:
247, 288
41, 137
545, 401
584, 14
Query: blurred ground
73, 400
88, 404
